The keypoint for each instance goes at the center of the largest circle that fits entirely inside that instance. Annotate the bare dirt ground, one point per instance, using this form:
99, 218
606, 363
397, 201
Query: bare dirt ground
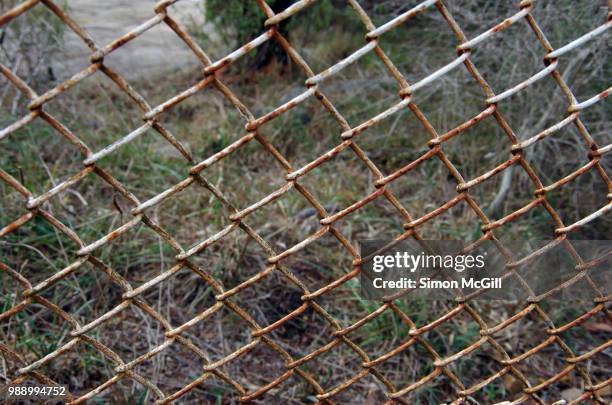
156, 51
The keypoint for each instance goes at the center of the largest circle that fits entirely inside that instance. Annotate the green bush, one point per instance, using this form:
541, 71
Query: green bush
240, 21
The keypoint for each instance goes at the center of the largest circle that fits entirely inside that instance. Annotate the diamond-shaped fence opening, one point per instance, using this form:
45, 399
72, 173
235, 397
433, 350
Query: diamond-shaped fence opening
256, 226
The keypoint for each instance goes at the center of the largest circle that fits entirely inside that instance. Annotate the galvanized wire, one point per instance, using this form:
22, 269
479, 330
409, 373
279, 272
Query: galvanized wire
34, 206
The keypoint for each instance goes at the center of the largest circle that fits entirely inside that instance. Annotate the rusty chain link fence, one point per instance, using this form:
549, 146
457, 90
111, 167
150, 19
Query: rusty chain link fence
297, 371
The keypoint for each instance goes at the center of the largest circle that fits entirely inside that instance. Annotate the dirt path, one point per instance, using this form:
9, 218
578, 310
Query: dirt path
156, 51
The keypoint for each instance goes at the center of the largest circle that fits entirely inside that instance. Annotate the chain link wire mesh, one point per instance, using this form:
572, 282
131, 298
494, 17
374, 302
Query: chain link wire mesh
20, 370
